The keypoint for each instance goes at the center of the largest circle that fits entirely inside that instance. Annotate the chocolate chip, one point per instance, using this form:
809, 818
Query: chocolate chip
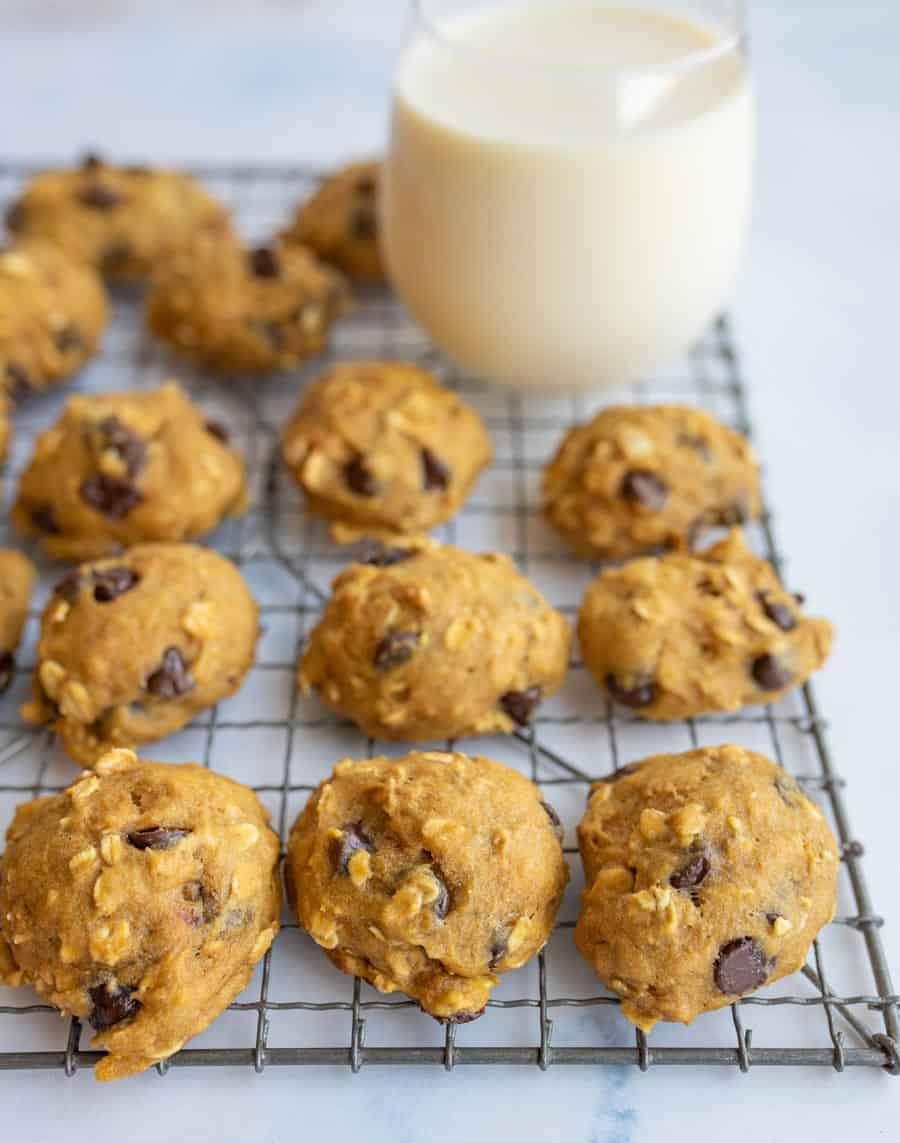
18, 383
15, 216
98, 196
44, 518
800, 598
460, 1017
692, 874
110, 496
554, 819
352, 840
157, 837
379, 556
217, 429
196, 893
68, 339
396, 648
780, 614
264, 262
435, 473
740, 967
773, 917
366, 185
91, 161
735, 513
116, 257
112, 1003
520, 705
112, 434
441, 903
641, 693
769, 673
498, 950
171, 678
359, 479
363, 221
110, 583
645, 488
7, 670
69, 586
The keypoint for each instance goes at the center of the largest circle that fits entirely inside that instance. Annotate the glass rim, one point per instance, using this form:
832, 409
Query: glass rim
733, 39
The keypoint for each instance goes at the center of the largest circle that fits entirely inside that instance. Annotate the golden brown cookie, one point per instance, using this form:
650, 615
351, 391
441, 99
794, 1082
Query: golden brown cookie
132, 648
122, 220
120, 468
340, 222
139, 900
381, 449
52, 313
430, 874
428, 642
677, 635
637, 478
708, 874
236, 310
17, 576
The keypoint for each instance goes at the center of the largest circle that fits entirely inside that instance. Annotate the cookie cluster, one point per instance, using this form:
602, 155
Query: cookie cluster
139, 898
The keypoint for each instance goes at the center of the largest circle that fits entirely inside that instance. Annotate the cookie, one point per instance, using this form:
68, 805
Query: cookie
708, 874
17, 576
122, 220
132, 648
428, 642
53, 312
340, 222
430, 874
637, 479
679, 635
120, 468
381, 449
244, 311
139, 900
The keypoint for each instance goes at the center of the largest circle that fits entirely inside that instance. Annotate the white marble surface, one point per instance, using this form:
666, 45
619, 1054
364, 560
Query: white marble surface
816, 314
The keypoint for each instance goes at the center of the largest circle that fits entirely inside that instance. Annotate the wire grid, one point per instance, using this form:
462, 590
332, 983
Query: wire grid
298, 1009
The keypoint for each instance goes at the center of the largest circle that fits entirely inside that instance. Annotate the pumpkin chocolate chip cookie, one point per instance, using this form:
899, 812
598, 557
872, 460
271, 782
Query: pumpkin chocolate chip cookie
428, 642
236, 310
708, 874
636, 479
381, 449
132, 648
340, 222
681, 634
119, 468
17, 575
139, 900
430, 874
122, 220
52, 313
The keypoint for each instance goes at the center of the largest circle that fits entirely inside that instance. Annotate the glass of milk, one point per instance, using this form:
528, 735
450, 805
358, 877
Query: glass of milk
568, 181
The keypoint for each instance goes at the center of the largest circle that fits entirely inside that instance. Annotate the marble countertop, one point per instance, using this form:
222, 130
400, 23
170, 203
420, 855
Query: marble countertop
816, 317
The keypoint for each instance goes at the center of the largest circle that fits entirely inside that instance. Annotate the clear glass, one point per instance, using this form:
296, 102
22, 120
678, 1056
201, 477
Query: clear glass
567, 187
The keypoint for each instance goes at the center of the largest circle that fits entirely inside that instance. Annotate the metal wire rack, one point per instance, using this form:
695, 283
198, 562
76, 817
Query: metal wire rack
840, 1012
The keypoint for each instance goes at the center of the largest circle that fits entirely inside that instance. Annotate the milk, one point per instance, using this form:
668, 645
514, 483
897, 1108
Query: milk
567, 187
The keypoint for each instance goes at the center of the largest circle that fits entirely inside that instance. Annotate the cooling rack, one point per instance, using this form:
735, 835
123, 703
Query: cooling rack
840, 1012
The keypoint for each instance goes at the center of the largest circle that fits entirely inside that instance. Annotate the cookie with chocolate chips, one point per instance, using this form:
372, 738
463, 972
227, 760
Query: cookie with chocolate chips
707, 875
121, 468
679, 635
121, 220
340, 222
53, 312
430, 874
637, 479
236, 310
381, 449
433, 642
17, 575
139, 900
132, 648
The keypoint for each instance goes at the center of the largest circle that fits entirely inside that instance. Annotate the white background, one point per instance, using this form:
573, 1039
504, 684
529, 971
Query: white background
817, 317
